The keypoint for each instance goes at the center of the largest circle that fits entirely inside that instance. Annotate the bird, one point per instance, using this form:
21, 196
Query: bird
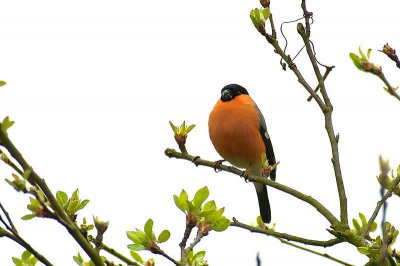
239, 134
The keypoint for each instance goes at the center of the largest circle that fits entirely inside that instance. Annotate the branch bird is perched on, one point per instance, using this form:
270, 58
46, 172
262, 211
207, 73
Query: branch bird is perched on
239, 134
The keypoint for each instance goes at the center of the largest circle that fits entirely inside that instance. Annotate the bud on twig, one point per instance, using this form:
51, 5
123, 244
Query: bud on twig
265, 3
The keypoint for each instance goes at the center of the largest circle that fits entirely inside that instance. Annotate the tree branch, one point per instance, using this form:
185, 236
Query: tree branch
35, 179
310, 200
288, 237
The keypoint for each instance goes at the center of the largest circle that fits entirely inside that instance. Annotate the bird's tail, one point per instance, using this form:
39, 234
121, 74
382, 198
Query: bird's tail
263, 202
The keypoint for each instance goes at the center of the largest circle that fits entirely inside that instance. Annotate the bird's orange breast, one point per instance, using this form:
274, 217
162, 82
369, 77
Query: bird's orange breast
234, 132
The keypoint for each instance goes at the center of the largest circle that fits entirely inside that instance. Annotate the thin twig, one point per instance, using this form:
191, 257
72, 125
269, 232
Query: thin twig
10, 226
196, 240
392, 91
165, 255
14, 236
310, 200
118, 255
379, 205
182, 244
327, 110
327, 71
325, 255
288, 237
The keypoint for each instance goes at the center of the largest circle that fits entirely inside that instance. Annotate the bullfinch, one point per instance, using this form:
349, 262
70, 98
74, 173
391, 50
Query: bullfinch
238, 132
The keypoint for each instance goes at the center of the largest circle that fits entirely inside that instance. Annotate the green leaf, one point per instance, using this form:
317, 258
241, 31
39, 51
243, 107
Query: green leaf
221, 225
265, 13
136, 247
356, 225
18, 262
75, 195
78, 259
26, 173
190, 207
136, 256
62, 197
178, 203
2, 83
398, 170
164, 236
363, 219
210, 206
26, 255
82, 204
190, 128
28, 216
200, 196
33, 260
6, 124
362, 54
216, 215
72, 206
357, 61
364, 250
199, 255
174, 129
369, 53
374, 226
148, 228
133, 235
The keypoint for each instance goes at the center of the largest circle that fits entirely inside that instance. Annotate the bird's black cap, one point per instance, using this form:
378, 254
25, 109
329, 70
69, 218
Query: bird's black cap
231, 91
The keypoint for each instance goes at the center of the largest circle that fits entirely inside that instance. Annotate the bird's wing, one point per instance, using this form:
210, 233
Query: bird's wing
267, 141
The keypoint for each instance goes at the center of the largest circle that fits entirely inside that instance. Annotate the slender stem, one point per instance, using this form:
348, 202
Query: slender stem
18, 239
62, 216
390, 88
327, 71
310, 200
165, 255
196, 240
388, 194
118, 255
182, 244
288, 237
328, 117
11, 226
325, 255
10, 163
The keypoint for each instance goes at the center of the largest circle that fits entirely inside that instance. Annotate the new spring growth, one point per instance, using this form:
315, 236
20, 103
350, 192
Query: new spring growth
383, 177
100, 225
386, 181
266, 167
258, 17
265, 3
180, 134
362, 62
391, 53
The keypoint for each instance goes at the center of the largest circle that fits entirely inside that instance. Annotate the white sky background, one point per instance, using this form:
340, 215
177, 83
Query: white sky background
92, 85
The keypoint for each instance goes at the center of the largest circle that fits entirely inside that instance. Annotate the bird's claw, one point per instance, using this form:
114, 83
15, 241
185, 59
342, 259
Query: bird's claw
195, 159
245, 175
217, 164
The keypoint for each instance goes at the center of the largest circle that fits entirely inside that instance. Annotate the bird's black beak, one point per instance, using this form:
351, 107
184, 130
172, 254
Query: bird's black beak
226, 95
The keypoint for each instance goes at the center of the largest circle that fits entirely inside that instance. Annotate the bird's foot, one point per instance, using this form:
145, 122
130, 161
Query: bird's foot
195, 159
217, 164
245, 175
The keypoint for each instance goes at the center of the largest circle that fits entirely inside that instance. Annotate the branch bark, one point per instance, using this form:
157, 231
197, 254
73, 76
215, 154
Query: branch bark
308, 199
